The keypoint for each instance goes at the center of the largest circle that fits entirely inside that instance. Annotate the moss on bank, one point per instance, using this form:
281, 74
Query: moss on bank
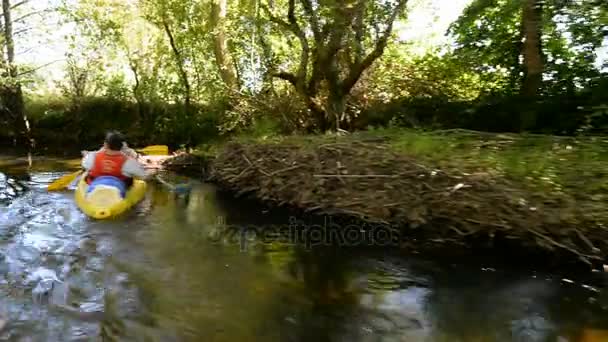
456, 186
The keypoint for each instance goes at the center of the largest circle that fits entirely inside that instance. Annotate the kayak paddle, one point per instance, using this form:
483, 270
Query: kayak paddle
182, 188
64, 181
154, 150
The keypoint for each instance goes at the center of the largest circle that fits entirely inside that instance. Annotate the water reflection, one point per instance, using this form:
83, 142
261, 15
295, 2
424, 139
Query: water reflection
161, 273
204, 289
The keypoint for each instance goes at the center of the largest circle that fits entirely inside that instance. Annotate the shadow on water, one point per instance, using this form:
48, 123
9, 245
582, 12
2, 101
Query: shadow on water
171, 270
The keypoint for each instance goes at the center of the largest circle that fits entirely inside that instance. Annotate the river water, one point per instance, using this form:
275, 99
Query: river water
167, 271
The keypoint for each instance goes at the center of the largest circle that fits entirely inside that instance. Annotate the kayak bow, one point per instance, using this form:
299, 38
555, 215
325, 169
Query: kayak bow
106, 202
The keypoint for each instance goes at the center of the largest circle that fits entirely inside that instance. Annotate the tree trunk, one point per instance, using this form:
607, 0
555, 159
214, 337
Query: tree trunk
141, 112
328, 41
318, 114
183, 121
8, 36
12, 101
532, 61
336, 106
531, 48
12, 95
180, 65
223, 59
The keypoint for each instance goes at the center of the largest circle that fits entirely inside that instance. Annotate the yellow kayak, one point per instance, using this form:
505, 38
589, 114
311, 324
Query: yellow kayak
106, 202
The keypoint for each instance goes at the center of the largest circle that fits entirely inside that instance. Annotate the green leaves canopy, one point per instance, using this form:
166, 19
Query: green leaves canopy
489, 36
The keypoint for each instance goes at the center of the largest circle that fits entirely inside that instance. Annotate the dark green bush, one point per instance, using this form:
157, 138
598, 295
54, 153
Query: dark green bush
567, 115
82, 125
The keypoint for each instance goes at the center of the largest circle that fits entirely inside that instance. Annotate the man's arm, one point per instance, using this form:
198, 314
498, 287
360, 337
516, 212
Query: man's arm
88, 161
129, 152
131, 168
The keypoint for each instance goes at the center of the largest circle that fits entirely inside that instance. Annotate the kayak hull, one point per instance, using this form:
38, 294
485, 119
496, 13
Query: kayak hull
105, 202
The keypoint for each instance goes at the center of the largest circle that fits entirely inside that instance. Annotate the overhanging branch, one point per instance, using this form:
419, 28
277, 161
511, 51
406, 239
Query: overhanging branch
25, 16
357, 70
24, 30
304, 55
314, 20
276, 20
38, 68
179, 60
19, 4
292, 25
359, 34
287, 76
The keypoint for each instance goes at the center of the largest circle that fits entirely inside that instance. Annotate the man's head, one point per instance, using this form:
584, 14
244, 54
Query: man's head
114, 141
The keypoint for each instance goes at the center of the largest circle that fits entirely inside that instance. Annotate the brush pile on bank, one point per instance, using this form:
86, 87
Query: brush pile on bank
186, 164
370, 182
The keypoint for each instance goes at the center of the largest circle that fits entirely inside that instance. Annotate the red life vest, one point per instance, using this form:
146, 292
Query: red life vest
107, 165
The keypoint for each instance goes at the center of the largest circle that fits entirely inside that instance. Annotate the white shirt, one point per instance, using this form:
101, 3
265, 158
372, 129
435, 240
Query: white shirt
131, 168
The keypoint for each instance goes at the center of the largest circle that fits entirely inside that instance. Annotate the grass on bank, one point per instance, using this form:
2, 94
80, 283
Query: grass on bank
547, 163
575, 167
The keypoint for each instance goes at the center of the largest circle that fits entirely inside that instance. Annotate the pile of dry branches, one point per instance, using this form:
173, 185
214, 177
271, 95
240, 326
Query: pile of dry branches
370, 182
186, 164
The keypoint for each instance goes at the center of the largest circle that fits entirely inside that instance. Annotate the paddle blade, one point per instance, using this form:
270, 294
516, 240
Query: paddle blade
592, 335
63, 182
155, 150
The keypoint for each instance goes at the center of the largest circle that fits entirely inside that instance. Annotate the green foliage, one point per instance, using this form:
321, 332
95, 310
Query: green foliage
264, 127
552, 164
200, 128
489, 38
97, 115
272, 112
430, 76
122, 69
117, 88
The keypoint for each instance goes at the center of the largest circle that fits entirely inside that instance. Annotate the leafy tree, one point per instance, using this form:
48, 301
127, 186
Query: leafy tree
243, 60
531, 27
11, 93
223, 57
441, 77
346, 38
532, 45
115, 26
534, 48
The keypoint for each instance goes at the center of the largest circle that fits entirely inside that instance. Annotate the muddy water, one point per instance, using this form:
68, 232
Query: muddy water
168, 271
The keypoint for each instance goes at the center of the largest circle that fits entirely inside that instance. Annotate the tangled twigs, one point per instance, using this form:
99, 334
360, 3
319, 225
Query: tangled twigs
285, 170
587, 241
356, 176
187, 164
257, 167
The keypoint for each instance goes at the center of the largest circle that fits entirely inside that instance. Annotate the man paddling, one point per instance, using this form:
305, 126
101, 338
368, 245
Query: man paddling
111, 160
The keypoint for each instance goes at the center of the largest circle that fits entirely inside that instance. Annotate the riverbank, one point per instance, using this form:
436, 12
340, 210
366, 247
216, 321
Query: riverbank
544, 194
